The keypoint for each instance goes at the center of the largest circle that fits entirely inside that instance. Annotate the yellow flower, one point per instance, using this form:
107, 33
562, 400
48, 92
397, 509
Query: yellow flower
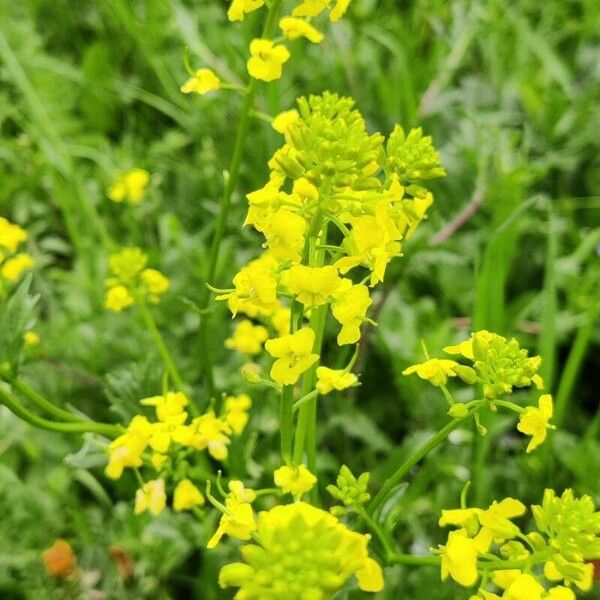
130, 186
535, 421
293, 353
465, 518
13, 267
284, 231
334, 379
203, 81
117, 298
172, 404
11, 235
496, 519
155, 281
237, 522
312, 286
305, 553
349, 308
281, 320
560, 593
209, 432
459, 559
240, 493
126, 450
236, 412
186, 496
524, 587
434, 370
128, 263
266, 59
247, 338
239, 8
339, 10
151, 497
294, 480
310, 8
31, 339
294, 28
283, 121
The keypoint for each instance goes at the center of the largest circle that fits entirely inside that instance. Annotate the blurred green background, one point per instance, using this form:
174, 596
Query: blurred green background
510, 92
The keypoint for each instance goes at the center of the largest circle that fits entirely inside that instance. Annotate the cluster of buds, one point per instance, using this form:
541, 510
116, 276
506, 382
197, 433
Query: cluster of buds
352, 492
131, 281
489, 549
498, 365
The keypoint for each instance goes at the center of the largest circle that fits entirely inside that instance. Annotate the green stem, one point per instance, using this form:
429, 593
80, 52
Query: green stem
376, 529
83, 427
160, 345
414, 560
286, 421
36, 398
412, 460
225, 204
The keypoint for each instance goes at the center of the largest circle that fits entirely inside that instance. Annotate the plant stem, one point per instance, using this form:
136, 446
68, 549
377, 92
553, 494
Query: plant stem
225, 204
412, 460
160, 345
376, 529
82, 427
286, 421
35, 397
414, 560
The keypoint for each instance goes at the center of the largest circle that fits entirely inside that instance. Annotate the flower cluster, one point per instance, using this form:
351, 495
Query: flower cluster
131, 281
12, 262
301, 552
165, 445
498, 365
129, 186
267, 56
351, 491
338, 200
487, 547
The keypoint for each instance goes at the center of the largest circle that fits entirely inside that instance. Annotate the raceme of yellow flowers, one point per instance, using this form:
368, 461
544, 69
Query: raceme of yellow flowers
498, 366
337, 206
267, 56
12, 262
131, 281
486, 547
129, 186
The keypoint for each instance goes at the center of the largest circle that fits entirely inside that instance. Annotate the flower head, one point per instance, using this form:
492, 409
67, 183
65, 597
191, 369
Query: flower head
59, 559
11, 235
459, 559
151, 497
238, 8
536, 421
294, 480
237, 522
334, 379
305, 553
13, 267
349, 308
247, 338
437, 370
202, 82
312, 286
186, 496
293, 353
294, 28
129, 186
266, 59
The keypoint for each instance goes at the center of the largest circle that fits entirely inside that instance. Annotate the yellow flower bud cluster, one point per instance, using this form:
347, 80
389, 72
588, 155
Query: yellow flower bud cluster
351, 491
545, 564
161, 444
498, 365
129, 186
302, 552
334, 203
12, 262
131, 281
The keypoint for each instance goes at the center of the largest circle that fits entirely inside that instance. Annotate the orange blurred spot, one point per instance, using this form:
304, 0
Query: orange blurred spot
124, 562
59, 559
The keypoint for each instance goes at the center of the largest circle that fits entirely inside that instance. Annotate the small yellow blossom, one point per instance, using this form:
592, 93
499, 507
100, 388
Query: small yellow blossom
284, 231
282, 122
524, 587
281, 320
294, 28
294, 480
155, 281
293, 353
247, 338
560, 593
459, 559
312, 286
151, 497
127, 263
238, 522
167, 406
339, 10
129, 186
434, 370
13, 267
31, 339
266, 59
349, 308
334, 379
240, 493
236, 412
203, 81
126, 450
118, 298
11, 235
186, 496
239, 8
536, 421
